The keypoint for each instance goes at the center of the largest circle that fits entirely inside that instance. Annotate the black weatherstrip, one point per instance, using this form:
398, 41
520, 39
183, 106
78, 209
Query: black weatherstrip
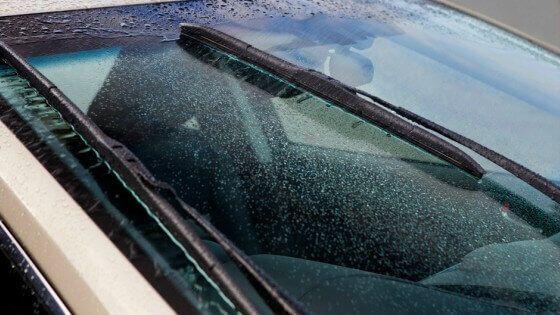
134, 174
348, 98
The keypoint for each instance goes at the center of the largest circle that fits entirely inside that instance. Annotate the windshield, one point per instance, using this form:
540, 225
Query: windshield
309, 190
343, 215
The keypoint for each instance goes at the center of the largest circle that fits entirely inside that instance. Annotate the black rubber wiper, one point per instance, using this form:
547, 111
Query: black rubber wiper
333, 92
348, 98
151, 192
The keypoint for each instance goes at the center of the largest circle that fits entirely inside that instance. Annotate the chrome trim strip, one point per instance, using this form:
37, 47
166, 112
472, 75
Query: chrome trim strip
31, 274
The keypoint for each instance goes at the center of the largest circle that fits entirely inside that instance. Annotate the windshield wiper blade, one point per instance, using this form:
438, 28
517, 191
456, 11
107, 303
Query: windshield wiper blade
147, 188
333, 92
348, 98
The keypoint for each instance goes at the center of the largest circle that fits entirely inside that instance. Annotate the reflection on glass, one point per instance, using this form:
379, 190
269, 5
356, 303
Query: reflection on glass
459, 72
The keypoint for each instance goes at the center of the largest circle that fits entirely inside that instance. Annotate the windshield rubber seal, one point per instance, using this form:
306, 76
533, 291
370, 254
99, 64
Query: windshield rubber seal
348, 98
136, 175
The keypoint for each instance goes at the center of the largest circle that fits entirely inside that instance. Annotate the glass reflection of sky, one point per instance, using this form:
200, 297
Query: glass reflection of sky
468, 76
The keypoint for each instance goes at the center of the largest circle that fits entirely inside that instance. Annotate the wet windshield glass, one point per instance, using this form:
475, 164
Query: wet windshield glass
311, 192
461, 73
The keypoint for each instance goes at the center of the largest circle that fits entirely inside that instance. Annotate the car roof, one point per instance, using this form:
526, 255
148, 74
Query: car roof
18, 7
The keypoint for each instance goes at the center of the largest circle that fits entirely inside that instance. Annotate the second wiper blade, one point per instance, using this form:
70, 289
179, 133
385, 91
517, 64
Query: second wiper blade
348, 98
333, 92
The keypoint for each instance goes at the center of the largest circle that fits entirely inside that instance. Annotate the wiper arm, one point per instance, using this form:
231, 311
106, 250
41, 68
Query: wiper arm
333, 92
347, 98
